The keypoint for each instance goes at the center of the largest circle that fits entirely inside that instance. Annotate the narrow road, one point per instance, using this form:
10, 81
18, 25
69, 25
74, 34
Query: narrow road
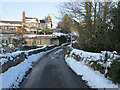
52, 72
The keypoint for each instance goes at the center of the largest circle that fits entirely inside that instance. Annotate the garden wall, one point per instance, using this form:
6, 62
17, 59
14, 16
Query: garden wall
15, 58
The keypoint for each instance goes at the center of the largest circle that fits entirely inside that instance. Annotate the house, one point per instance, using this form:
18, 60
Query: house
7, 38
47, 22
41, 39
45, 25
30, 24
63, 38
34, 25
11, 26
57, 39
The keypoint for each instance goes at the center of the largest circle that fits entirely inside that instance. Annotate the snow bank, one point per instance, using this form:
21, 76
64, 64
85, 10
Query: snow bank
94, 56
8, 79
104, 58
14, 54
14, 75
9, 24
60, 34
93, 66
95, 79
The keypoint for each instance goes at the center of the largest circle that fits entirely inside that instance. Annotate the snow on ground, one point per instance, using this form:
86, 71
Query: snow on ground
40, 35
95, 79
15, 74
11, 55
94, 56
9, 24
99, 57
8, 79
60, 34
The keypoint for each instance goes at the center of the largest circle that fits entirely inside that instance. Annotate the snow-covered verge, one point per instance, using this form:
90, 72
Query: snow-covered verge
4, 57
14, 75
10, 48
60, 34
92, 66
12, 59
95, 79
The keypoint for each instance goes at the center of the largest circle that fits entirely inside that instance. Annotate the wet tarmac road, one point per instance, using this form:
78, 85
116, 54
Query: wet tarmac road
53, 72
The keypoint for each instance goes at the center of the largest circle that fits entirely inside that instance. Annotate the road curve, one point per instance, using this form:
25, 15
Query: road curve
52, 72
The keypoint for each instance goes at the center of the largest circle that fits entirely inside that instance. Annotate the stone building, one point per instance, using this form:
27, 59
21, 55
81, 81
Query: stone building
31, 25
7, 38
34, 25
11, 26
46, 39
41, 39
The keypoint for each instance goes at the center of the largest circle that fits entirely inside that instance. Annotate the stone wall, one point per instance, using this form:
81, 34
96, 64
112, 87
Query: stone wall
20, 58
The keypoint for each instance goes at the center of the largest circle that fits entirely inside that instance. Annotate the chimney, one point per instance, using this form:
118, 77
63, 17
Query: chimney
24, 16
49, 18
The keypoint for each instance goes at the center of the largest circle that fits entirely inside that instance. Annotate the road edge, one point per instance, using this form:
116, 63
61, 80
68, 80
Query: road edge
28, 73
79, 76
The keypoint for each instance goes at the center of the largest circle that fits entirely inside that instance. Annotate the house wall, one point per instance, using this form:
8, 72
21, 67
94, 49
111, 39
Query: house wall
29, 41
42, 25
7, 38
31, 24
38, 41
9, 27
46, 41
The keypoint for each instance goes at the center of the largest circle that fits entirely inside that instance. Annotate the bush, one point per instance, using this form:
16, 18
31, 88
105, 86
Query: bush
76, 45
114, 71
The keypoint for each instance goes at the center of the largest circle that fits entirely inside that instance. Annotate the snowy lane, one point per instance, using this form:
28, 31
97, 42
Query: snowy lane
52, 72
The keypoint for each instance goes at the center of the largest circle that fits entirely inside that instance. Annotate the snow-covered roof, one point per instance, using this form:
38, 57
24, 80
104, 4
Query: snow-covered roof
74, 33
9, 24
7, 35
51, 36
60, 34
34, 20
31, 20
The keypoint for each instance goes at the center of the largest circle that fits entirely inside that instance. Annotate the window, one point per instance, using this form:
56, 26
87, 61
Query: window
40, 42
29, 24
